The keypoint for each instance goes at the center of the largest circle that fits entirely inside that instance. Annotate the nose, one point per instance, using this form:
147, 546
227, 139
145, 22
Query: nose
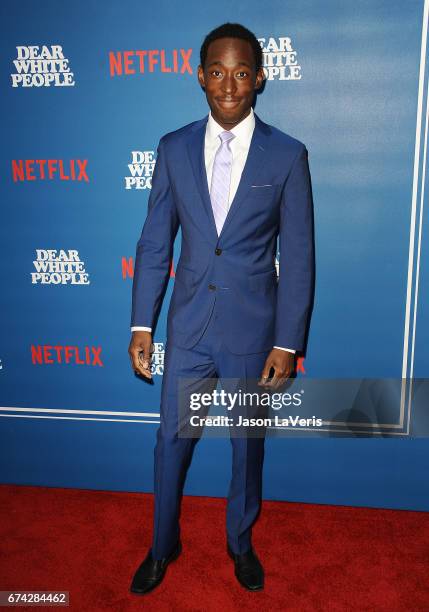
228, 84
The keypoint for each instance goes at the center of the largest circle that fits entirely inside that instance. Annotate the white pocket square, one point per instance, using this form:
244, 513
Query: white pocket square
262, 185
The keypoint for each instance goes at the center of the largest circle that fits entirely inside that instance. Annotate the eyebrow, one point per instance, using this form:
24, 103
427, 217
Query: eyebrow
221, 64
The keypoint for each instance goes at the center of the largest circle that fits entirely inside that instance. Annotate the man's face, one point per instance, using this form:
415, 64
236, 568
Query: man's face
230, 80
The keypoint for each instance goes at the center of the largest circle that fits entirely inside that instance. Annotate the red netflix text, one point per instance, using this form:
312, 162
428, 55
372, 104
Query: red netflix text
159, 60
49, 354
128, 268
48, 169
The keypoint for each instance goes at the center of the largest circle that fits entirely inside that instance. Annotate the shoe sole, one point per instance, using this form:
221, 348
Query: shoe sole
172, 558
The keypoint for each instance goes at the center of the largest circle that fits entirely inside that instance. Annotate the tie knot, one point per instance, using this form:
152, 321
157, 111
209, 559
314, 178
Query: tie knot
226, 136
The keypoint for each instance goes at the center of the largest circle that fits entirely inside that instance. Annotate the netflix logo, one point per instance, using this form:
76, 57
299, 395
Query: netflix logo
153, 60
127, 264
300, 365
58, 353
49, 169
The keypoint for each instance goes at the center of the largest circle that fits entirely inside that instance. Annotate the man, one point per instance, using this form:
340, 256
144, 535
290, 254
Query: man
233, 184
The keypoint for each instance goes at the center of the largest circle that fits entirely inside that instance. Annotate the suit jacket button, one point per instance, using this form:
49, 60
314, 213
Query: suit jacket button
212, 287
218, 251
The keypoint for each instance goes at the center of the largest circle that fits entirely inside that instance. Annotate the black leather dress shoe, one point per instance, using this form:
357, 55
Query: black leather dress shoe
248, 569
152, 571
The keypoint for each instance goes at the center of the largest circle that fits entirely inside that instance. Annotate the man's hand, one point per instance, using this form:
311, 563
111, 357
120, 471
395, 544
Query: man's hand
139, 352
283, 363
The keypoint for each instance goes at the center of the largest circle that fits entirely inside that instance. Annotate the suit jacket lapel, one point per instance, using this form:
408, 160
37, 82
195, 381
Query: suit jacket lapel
196, 156
256, 158
254, 163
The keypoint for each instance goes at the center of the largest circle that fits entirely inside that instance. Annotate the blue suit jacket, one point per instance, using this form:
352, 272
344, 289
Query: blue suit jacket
237, 268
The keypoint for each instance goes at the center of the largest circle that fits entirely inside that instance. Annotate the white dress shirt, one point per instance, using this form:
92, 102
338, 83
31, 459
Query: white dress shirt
239, 146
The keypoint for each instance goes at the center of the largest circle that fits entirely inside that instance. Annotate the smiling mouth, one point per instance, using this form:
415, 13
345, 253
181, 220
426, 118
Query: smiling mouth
227, 102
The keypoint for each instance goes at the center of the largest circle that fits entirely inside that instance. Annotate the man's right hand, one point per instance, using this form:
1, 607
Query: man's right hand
139, 352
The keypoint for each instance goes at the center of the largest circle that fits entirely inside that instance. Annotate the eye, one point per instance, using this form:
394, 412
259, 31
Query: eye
242, 74
216, 73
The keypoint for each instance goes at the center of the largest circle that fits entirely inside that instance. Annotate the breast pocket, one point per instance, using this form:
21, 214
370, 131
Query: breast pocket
265, 193
265, 188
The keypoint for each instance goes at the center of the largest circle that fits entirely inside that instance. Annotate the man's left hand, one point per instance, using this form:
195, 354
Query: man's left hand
283, 363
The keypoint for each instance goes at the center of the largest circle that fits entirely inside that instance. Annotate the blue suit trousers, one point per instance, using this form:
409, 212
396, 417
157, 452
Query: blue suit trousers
209, 358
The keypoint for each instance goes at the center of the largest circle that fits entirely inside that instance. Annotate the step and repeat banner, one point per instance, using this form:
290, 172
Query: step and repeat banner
88, 89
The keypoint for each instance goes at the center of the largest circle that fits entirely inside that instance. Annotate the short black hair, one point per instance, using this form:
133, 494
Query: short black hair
232, 30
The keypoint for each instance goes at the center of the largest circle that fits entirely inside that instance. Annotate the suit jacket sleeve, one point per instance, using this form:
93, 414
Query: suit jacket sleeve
296, 264
155, 247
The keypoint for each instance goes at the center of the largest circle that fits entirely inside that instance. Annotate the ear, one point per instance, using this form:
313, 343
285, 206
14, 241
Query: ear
260, 77
200, 73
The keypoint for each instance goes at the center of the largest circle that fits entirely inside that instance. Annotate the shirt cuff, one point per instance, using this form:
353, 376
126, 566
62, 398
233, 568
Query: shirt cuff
285, 349
149, 329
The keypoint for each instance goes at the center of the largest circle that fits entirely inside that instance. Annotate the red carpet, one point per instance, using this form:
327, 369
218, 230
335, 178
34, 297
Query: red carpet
325, 558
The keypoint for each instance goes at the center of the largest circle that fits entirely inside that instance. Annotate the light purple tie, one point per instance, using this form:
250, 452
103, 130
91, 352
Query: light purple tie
221, 179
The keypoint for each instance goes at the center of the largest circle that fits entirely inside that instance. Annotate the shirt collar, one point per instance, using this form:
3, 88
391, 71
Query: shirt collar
242, 131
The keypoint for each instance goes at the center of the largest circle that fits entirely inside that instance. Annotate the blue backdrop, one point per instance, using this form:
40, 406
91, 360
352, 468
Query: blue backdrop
88, 90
